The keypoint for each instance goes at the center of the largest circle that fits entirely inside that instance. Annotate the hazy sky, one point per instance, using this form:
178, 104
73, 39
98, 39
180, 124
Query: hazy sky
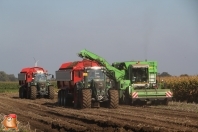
119, 30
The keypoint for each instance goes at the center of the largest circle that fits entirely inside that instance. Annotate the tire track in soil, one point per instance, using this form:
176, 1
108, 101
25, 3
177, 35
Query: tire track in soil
152, 120
114, 122
143, 119
33, 106
177, 124
169, 112
38, 111
117, 119
35, 111
169, 115
34, 124
90, 119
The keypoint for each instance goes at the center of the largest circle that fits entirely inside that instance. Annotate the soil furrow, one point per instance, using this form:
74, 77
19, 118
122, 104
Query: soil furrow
45, 115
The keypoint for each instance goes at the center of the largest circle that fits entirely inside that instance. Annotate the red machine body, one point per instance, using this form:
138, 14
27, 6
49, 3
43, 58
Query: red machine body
28, 73
74, 72
34, 83
68, 76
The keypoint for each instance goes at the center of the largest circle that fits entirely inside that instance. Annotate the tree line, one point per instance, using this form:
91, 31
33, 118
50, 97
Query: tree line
7, 77
166, 74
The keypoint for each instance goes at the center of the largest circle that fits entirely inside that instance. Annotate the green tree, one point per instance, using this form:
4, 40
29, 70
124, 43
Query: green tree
3, 76
184, 75
165, 74
12, 77
6, 77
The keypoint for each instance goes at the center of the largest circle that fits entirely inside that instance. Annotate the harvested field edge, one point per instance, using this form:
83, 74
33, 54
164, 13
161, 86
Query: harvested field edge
45, 115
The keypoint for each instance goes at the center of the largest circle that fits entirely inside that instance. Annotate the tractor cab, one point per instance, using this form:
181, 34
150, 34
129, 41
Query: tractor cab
139, 75
40, 77
40, 81
95, 79
94, 73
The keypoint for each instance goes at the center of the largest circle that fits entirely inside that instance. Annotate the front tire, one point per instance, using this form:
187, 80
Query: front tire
65, 98
59, 97
21, 92
113, 99
86, 98
51, 92
76, 98
165, 102
33, 92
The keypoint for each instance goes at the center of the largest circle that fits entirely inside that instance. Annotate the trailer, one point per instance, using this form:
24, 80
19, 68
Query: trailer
83, 84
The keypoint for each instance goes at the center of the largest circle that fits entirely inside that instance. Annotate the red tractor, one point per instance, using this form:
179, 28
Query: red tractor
83, 84
34, 83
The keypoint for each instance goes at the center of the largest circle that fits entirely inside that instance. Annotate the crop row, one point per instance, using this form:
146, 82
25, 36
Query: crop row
184, 88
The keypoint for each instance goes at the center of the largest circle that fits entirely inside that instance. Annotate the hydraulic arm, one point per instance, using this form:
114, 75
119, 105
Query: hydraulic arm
112, 72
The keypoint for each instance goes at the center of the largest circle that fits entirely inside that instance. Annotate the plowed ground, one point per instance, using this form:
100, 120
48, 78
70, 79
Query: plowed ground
45, 115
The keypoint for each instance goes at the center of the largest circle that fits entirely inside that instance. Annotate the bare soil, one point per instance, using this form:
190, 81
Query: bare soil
46, 116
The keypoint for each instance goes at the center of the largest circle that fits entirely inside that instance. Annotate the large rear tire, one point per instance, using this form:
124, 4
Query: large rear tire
59, 97
86, 98
127, 99
65, 98
33, 92
76, 98
21, 92
27, 93
113, 99
165, 102
62, 97
51, 92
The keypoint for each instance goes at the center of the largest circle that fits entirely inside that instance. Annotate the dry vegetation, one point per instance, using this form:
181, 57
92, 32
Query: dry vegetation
184, 88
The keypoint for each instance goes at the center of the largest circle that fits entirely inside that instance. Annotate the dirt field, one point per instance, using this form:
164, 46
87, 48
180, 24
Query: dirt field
45, 115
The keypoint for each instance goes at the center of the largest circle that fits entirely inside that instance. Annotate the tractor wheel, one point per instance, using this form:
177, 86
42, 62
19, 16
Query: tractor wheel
165, 102
21, 92
113, 99
76, 98
76, 103
59, 97
51, 92
62, 98
133, 103
33, 92
86, 98
65, 99
27, 93
127, 99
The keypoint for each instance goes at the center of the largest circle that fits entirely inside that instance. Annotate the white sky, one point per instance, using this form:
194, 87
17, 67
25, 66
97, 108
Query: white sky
55, 31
